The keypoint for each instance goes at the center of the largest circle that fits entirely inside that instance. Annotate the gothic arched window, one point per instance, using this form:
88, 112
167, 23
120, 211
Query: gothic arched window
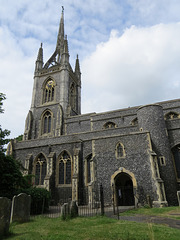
109, 125
134, 121
120, 152
48, 93
65, 168
171, 115
176, 155
40, 170
46, 122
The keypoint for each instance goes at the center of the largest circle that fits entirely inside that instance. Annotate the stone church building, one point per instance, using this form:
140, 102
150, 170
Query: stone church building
132, 152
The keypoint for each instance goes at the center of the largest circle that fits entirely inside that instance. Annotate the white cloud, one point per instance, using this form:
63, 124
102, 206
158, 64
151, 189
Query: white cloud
16, 81
139, 67
147, 57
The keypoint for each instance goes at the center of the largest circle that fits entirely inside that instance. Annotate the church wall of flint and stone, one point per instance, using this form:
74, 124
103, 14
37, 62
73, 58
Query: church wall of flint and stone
133, 152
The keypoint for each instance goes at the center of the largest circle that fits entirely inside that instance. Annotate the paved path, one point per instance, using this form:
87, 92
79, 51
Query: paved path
174, 223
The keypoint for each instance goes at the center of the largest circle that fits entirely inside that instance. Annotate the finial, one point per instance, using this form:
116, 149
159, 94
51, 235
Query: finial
41, 45
77, 56
62, 9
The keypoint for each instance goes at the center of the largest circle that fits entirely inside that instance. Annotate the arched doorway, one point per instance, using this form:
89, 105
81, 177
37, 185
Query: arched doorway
124, 195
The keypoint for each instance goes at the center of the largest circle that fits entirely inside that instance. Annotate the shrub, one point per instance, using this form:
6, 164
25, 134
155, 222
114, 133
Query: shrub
11, 178
40, 199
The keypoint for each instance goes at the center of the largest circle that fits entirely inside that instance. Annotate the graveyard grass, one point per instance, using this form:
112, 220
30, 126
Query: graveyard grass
94, 228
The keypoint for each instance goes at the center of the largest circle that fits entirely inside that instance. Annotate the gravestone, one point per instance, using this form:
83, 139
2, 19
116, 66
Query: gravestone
65, 210
5, 213
74, 209
149, 201
21, 206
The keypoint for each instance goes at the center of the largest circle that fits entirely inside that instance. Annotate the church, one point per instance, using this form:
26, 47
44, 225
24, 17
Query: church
133, 152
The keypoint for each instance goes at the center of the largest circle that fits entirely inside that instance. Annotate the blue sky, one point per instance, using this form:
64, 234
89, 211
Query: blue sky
129, 51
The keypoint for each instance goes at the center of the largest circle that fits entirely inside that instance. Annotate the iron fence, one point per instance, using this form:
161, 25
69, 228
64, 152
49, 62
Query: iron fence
88, 205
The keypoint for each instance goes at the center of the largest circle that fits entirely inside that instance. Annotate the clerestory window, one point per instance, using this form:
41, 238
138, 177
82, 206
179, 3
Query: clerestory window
109, 125
134, 122
172, 115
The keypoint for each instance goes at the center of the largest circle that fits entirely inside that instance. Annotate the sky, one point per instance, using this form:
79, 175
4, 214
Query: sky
129, 52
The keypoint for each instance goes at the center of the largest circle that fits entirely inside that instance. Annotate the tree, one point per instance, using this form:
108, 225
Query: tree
2, 97
3, 133
12, 182
11, 177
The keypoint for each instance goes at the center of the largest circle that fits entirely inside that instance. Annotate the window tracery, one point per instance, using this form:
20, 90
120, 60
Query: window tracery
172, 115
40, 170
49, 91
65, 168
109, 125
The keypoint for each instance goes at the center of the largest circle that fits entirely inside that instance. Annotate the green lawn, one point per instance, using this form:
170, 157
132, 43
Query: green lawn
90, 229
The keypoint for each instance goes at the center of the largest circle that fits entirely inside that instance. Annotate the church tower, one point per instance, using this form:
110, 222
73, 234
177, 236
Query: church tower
56, 91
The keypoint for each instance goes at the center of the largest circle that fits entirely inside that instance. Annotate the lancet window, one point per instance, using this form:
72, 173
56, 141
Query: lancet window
65, 168
120, 152
49, 91
47, 122
40, 170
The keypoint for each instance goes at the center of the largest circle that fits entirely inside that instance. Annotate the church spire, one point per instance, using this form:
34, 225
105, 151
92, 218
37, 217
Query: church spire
60, 37
39, 61
56, 56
